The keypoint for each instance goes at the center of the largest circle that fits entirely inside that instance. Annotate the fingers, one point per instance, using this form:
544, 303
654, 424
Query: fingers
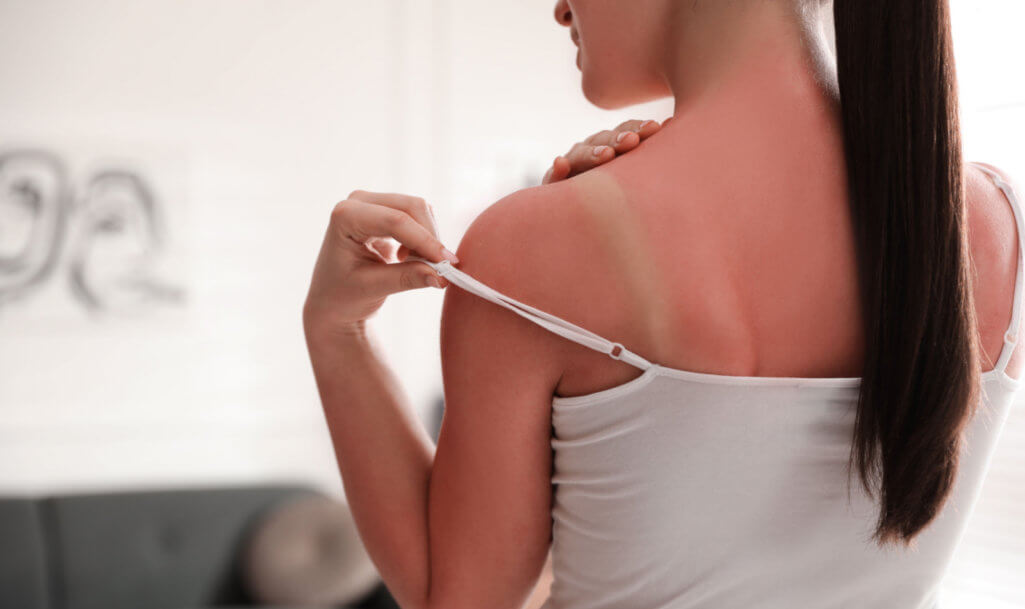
649, 128
366, 215
558, 171
630, 125
417, 207
619, 139
380, 280
583, 156
600, 148
602, 138
628, 134
384, 246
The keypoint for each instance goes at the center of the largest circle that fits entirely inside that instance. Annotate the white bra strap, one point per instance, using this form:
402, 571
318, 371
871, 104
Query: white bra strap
558, 326
1010, 336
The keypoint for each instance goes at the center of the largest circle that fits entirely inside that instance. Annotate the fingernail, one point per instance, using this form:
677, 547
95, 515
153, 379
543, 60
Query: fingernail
646, 123
449, 255
619, 138
434, 281
598, 150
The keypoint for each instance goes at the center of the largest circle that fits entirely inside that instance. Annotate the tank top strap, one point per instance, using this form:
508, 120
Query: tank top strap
550, 322
1011, 334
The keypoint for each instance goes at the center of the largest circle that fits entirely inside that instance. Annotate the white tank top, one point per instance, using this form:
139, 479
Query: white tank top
682, 489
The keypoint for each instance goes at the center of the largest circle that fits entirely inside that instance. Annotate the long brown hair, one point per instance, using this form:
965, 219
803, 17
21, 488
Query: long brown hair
902, 142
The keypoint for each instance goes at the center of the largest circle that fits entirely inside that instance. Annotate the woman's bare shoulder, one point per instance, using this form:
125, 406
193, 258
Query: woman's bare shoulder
993, 239
511, 238
550, 247
526, 243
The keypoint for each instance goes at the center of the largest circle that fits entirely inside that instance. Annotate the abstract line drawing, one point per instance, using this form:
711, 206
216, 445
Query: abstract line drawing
109, 238
34, 206
119, 241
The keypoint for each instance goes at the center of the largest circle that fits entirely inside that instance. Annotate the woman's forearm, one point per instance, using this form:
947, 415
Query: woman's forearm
384, 455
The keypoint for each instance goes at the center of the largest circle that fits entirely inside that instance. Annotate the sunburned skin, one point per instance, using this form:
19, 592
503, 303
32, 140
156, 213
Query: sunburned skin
723, 243
738, 259
734, 244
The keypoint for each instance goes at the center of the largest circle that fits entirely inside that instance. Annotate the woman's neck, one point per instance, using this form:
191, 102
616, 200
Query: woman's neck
763, 54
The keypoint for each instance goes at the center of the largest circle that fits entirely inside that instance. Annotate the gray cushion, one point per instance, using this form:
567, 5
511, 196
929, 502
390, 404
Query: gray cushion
23, 569
155, 550
308, 552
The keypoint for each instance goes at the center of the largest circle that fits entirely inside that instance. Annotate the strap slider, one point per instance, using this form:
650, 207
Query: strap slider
616, 351
1010, 338
442, 268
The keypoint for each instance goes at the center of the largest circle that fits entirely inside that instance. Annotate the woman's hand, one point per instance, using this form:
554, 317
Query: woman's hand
355, 272
600, 148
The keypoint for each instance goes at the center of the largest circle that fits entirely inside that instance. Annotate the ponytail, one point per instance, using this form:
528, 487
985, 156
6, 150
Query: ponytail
903, 148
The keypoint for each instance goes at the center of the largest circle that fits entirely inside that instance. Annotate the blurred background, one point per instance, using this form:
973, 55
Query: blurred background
167, 169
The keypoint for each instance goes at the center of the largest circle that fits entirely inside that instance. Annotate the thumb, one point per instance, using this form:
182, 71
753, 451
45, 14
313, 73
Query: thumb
384, 279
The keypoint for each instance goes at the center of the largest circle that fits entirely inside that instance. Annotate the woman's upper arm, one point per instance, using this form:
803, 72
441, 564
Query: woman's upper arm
490, 490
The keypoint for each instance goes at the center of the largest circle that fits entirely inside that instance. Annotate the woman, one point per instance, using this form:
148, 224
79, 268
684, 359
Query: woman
809, 298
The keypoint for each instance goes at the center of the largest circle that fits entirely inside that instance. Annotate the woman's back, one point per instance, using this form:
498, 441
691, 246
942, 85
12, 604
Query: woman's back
692, 479
713, 471
690, 489
740, 260
695, 486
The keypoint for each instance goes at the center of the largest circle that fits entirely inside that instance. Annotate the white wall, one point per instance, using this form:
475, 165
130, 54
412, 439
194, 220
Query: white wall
274, 111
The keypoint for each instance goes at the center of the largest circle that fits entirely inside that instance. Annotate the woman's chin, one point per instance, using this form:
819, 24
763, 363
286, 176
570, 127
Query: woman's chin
595, 93
603, 97
615, 95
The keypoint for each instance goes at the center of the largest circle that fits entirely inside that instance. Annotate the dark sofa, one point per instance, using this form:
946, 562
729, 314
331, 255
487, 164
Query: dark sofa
165, 549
